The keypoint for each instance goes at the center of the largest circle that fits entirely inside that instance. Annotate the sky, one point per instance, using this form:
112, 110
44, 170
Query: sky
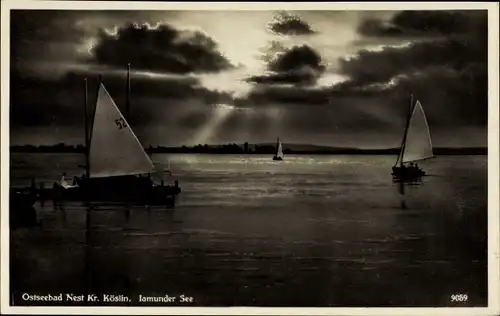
337, 78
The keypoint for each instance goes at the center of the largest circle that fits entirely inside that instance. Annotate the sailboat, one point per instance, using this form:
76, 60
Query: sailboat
117, 166
416, 145
279, 151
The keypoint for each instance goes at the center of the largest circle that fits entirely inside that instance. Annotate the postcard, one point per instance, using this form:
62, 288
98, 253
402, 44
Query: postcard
250, 158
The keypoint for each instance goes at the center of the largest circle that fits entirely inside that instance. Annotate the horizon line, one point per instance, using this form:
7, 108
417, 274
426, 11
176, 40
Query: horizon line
261, 144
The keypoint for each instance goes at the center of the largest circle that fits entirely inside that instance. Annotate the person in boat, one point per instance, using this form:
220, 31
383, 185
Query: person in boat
62, 180
65, 184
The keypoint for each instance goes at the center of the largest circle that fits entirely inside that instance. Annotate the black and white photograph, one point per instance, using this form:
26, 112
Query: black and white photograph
187, 156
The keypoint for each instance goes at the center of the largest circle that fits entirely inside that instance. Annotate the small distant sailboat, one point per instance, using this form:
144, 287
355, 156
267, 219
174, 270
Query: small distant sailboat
416, 145
279, 151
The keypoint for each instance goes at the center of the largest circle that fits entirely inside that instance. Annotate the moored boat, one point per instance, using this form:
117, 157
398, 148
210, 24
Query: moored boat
118, 169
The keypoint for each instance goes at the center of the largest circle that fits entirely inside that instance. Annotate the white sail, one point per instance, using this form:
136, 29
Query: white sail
114, 148
279, 153
418, 145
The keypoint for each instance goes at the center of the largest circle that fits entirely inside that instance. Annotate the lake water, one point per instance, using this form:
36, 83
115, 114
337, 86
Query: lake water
247, 231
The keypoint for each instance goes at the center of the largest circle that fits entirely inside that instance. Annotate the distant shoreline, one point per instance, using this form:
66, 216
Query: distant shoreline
262, 149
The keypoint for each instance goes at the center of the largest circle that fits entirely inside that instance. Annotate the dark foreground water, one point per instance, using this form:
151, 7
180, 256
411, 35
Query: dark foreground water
247, 231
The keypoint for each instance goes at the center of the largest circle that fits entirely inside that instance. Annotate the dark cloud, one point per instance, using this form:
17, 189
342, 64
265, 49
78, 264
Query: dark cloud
39, 101
264, 94
159, 48
46, 91
44, 25
449, 77
424, 23
285, 23
297, 58
40, 37
380, 66
375, 27
42, 102
299, 65
464, 45
303, 76
43, 36
453, 97
445, 67
448, 73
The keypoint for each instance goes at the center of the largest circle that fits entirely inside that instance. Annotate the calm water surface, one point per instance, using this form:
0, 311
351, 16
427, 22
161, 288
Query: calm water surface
308, 231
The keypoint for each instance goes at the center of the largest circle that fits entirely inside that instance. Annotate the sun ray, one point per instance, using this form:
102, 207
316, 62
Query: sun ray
220, 113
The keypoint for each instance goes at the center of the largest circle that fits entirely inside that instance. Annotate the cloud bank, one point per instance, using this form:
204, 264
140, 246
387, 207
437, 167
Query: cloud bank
285, 23
296, 65
159, 48
178, 75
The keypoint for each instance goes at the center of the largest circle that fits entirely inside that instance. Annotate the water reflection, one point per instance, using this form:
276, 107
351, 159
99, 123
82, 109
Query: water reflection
88, 252
337, 243
401, 184
23, 216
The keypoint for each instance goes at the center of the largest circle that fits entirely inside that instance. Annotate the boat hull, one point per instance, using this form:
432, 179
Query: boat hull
128, 189
407, 172
151, 196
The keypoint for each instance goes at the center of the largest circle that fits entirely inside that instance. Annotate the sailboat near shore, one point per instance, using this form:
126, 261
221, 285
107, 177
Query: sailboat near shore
416, 145
117, 167
279, 151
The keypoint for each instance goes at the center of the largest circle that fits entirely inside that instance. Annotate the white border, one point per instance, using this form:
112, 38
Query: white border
493, 152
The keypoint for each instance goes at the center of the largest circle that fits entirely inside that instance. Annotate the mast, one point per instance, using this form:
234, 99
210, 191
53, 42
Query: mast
401, 154
99, 81
87, 167
127, 102
87, 274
